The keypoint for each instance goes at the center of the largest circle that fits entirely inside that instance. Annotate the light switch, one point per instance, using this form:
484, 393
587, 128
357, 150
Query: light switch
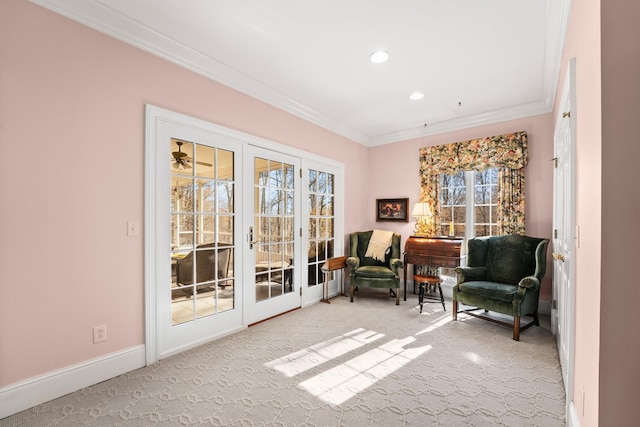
133, 228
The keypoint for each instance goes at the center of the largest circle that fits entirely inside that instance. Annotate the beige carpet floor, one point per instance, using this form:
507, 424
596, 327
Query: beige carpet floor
369, 363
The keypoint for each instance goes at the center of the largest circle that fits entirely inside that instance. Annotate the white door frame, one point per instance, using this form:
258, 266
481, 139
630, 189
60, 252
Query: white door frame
155, 116
567, 115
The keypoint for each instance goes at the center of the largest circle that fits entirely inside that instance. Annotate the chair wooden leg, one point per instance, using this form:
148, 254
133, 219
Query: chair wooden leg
351, 293
398, 297
516, 328
454, 309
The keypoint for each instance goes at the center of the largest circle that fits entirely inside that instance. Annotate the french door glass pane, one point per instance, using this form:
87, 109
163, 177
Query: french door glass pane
202, 223
321, 223
273, 228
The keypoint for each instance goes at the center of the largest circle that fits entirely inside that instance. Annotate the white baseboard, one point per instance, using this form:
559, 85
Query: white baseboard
572, 416
34, 391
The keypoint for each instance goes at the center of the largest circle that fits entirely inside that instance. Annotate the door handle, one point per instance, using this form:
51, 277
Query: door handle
558, 257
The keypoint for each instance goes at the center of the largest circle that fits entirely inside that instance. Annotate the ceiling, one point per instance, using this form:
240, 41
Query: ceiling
475, 61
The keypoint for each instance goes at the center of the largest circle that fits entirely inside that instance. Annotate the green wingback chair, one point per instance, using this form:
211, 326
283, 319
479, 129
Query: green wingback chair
369, 272
503, 275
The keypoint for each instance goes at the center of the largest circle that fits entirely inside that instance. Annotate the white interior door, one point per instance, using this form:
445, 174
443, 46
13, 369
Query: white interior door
272, 244
564, 230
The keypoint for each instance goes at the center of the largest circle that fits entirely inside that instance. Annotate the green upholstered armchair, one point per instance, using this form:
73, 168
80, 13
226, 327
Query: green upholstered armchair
368, 272
503, 275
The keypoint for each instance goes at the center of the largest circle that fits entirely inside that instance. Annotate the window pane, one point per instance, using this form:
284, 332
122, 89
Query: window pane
459, 179
322, 182
205, 229
313, 181
313, 228
289, 205
329, 200
225, 229
204, 161
225, 165
225, 197
181, 194
459, 214
312, 204
482, 214
205, 196
494, 195
288, 176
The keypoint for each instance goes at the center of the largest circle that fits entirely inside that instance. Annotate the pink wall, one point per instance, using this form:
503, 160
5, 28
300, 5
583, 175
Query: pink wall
620, 293
72, 112
72, 109
397, 174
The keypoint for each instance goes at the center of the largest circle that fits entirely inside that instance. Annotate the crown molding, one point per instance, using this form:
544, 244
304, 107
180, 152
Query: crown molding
108, 21
114, 24
525, 110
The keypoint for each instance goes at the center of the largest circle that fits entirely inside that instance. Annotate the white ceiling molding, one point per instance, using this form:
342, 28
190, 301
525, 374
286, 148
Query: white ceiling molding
98, 15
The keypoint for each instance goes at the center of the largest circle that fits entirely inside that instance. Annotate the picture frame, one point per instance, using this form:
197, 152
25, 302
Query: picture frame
392, 210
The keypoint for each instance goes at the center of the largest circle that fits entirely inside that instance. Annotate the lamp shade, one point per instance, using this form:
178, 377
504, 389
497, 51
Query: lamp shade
421, 210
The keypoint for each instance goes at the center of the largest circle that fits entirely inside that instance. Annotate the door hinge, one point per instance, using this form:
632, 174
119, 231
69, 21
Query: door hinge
555, 162
300, 172
300, 290
554, 304
300, 231
566, 114
555, 233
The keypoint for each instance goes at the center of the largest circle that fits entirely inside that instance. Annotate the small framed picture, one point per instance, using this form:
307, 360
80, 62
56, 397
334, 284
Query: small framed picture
392, 210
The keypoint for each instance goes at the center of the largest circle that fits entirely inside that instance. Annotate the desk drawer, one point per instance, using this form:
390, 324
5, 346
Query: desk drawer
432, 261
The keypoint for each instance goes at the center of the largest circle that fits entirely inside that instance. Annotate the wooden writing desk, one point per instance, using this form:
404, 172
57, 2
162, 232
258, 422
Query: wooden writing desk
433, 251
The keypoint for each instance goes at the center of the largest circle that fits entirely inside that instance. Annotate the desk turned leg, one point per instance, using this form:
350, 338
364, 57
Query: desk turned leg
421, 296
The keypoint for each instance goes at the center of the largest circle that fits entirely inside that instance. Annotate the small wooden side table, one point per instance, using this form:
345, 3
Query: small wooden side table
332, 264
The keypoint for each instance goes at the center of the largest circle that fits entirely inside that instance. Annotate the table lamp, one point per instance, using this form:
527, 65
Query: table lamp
422, 212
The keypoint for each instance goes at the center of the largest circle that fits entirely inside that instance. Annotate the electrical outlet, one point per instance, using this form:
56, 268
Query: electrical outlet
99, 334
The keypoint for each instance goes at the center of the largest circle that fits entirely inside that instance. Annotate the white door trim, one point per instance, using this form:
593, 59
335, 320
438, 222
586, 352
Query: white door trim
154, 117
568, 102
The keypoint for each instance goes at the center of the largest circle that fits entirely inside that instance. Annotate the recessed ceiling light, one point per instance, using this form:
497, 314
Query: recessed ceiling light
416, 95
379, 56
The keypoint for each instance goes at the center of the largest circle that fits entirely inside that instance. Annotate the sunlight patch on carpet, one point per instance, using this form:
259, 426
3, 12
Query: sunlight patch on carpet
317, 354
341, 383
441, 322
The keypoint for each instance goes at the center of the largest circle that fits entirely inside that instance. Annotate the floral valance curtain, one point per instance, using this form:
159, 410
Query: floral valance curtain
507, 153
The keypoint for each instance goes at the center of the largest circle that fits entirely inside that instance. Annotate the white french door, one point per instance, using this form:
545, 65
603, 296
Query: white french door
272, 222
323, 231
193, 234
229, 229
563, 315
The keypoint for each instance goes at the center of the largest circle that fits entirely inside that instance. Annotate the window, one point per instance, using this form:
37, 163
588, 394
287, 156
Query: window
468, 203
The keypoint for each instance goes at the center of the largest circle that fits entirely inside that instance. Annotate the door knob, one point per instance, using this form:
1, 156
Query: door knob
558, 257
